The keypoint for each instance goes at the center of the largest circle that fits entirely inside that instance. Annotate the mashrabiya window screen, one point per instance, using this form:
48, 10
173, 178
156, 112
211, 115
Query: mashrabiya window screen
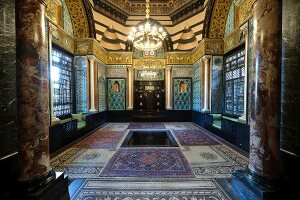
234, 83
62, 80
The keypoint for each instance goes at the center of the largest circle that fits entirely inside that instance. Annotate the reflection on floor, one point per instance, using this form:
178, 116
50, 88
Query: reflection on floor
200, 168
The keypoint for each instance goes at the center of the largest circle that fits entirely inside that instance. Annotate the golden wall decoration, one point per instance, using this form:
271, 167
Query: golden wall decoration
214, 46
179, 58
54, 11
198, 52
79, 18
218, 18
243, 11
89, 46
61, 38
119, 58
149, 63
233, 40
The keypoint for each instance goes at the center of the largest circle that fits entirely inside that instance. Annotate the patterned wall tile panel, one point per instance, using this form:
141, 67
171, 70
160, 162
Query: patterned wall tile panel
116, 94
8, 106
182, 93
81, 84
68, 27
217, 85
249, 53
197, 95
230, 19
116, 71
101, 87
197, 83
182, 71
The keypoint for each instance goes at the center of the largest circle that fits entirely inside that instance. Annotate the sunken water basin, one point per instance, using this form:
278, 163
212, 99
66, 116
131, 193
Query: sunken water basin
147, 138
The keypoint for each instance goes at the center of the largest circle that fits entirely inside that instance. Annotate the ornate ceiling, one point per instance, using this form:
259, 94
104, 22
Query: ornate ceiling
157, 7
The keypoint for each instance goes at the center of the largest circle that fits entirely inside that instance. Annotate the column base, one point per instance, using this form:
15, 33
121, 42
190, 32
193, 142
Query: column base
248, 186
92, 110
169, 108
54, 186
242, 119
205, 110
129, 108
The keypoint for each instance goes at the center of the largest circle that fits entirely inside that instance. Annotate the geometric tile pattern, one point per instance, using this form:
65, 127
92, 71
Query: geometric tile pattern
182, 93
101, 87
81, 84
152, 162
116, 97
197, 96
217, 85
194, 138
230, 19
68, 27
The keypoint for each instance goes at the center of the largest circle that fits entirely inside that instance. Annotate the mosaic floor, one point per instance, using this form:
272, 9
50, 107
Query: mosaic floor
199, 169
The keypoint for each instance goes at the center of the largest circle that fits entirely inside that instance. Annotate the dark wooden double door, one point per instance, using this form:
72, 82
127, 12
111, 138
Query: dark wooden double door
149, 95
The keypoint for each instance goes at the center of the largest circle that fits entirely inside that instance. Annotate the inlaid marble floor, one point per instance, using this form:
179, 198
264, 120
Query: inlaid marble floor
199, 168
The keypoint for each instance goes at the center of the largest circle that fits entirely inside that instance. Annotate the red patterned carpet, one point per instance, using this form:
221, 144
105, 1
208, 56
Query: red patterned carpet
102, 139
159, 162
194, 138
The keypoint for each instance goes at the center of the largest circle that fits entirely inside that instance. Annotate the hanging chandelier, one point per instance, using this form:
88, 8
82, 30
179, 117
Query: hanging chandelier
147, 36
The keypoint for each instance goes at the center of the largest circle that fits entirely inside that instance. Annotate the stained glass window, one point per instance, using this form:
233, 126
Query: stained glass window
62, 82
234, 83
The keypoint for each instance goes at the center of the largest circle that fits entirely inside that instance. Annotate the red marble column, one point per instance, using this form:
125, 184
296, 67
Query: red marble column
32, 91
265, 91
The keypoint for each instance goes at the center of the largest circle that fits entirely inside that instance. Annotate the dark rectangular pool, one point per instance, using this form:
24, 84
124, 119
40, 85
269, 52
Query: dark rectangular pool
150, 139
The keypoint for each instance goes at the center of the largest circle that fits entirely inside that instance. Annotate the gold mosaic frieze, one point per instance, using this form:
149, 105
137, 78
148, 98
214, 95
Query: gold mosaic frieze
235, 39
60, 38
218, 18
119, 58
179, 58
54, 11
89, 46
243, 11
213, 46
149, 63
79, 18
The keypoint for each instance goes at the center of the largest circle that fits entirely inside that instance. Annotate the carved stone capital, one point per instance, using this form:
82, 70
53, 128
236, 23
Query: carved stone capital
206, 58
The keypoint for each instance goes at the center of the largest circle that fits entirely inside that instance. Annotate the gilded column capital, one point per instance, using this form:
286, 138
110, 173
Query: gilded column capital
91, 57
206, 58
168, 67
130, 67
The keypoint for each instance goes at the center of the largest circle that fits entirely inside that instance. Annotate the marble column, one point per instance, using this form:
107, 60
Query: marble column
130, 87
206, 83
36, 179
264, 162
32, 91
168, 88
243, 118
92, 86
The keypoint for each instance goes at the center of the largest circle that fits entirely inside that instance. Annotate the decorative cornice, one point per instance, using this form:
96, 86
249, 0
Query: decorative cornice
61, 38
89, 46
124, 58
233, 40
176, 58
147, 63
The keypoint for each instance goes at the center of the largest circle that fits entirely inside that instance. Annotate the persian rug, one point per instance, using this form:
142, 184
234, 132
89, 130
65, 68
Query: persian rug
194, 138
180, 125
81, 163
146, 125
102, 139
148, 190
149, 162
